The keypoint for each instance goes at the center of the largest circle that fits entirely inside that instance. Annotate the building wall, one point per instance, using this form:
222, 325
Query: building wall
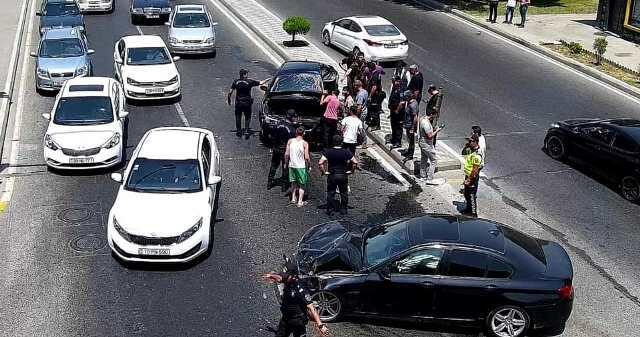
614, 13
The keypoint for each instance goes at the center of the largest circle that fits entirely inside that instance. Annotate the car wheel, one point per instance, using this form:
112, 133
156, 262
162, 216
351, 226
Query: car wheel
326, 38
556, 147
630, 188
507, 321
328, 305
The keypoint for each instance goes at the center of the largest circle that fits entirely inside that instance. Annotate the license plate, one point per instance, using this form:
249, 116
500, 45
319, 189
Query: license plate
87, 160
154, 91
152, 16
391, 45
153, 251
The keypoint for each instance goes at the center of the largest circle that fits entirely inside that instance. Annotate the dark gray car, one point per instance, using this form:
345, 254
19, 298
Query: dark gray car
59, 14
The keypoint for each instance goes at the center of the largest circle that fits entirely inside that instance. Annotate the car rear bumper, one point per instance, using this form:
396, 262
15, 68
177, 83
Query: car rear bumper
382, 54
550, 317
150, 16
103, 159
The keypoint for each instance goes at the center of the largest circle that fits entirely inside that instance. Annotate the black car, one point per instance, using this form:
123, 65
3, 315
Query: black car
59, 14
611, 145
149, 10
297, 85
439, 268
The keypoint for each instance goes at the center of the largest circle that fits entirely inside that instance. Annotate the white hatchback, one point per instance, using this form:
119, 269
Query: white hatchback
86, 125
376, 37
166, 207
146, 69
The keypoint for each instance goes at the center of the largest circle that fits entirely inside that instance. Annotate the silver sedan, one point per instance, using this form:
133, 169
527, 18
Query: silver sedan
191, 30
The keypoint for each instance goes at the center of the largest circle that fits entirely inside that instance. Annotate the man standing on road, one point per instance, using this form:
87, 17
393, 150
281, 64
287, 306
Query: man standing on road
337, 163
330, 117
284, 131
417, 82
428, 160
472, 166
296, 306
434, 104
351, 128
410, 122
297, 160
395, 115
244, 101
362, 97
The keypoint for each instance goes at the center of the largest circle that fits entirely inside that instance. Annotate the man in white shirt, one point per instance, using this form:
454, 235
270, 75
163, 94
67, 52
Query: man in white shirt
428, 159
482, 150
351, 127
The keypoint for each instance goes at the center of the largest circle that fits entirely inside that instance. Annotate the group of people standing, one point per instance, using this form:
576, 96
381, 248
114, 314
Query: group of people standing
509, 10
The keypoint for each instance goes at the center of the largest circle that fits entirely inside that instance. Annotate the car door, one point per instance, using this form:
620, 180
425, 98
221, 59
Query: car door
119, 58
405, 288
352, 37
206, 168
625, 153
338, 36
592, 143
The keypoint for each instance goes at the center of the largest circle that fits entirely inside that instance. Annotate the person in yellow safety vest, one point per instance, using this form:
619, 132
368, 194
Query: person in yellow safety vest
472, 166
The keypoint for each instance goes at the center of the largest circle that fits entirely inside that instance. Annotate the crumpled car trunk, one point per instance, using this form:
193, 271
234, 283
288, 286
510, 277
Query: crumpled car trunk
333, 246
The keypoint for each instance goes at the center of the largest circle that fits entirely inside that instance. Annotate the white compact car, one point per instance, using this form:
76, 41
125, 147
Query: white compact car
96, 6
166, 207
191, 30
86, 125
376, 37
146, 69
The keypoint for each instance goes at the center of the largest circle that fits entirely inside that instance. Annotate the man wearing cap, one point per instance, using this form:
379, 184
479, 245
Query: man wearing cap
416, 83
285, 130
296, 305
244, 101
472, 166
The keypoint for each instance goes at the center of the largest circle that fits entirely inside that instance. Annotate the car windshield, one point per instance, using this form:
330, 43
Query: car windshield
191, 20
60, 9
164, 176
298, 82
384, 242
61, 48
382, 30
147, 56
83, 111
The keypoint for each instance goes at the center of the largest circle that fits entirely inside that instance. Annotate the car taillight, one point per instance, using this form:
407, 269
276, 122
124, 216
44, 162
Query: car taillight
372, 43
566, 292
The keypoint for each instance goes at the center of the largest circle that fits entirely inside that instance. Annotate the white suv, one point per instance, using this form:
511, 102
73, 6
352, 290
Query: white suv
86, 126
146, 69
166, 207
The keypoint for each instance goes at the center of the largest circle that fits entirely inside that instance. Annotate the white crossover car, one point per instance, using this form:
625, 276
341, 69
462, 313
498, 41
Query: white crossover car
166, 206
191, 30
86, 125
96, 5
146, 69
376, 37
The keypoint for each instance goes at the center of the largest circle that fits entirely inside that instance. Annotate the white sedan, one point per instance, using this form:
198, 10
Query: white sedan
96, 6
375, 36
86, 125
166, 206
146, 69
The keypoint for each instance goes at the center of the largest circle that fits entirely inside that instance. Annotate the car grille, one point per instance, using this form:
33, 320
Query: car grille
78, 153
151, 10
70, 74
145, 241
192, 41
154, 84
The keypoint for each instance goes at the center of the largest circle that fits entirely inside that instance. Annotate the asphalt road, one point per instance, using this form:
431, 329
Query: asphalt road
58, 276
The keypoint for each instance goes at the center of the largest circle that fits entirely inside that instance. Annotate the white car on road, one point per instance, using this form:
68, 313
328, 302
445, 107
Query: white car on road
146, 69
96, 5
191, 30
166, 207
86, 125
376, 37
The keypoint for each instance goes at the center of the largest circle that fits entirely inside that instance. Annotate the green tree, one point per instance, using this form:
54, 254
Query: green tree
296, 25
600, 47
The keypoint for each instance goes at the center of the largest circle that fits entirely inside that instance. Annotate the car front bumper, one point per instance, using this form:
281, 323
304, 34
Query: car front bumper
95, 6
103, 159
192, 48
142, 93
52, 83
382, 54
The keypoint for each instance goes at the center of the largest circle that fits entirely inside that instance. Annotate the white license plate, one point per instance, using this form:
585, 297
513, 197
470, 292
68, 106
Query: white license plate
153, 251
391, 45
153, 91
152, 16
87, 160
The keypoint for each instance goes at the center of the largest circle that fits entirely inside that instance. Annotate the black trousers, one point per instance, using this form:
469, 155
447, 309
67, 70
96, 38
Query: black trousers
396, 132
508, 14
493, 11
243, 110
351, 147
277, 160
411, 138
523, 14
329, 129
341, 182
295, 326
470, 197
374, 116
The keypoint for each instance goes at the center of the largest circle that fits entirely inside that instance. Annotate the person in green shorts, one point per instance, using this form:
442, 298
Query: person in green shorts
297, 160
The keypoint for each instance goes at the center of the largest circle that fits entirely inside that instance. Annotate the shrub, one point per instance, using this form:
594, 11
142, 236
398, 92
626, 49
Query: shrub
296, 25
600, 47
575, 48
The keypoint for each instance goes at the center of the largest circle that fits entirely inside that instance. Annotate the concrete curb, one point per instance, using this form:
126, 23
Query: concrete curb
600, 76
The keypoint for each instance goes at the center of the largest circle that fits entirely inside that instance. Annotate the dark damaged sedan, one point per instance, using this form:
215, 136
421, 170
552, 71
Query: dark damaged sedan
439, 268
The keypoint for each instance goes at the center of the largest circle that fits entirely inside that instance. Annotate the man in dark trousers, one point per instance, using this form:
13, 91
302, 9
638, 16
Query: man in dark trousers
296, 306
396, 115
434, 104
416, 84
410, 105
472, 166
285, 130
244, 101
493, 11
336, 163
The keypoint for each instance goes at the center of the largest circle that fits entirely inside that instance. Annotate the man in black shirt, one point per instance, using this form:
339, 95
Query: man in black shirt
434, 104
244, 101
296, 306
285, 130
336, 163
417, 82
396, 115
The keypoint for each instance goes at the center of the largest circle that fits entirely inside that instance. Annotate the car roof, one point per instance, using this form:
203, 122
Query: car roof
86, 86
140, 41
300, 67
61, 33
171, 144
193, 8
367, 20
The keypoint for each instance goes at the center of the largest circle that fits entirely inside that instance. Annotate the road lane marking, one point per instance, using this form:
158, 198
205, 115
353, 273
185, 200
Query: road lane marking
389, 168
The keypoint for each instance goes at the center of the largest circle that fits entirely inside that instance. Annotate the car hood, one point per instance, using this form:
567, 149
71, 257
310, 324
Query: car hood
61, 64
333, 246
61, 21
158, 214
191, 33
83, 137
151, 73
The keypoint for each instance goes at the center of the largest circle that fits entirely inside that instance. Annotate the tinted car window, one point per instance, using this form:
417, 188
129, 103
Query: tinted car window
422, 262
298, 82
60, 9
466, 263
83, 111
625, 144
497, 268
354, 27
164, 176
191, 20
147, 55
382, 30
384, 242
61, 48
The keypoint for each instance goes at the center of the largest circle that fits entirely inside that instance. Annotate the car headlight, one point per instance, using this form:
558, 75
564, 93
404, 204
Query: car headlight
132, 82
48, 142
113, 141
83, 70
210, 40
166, 10
137, 10
106, 1
43, 73
173, 40
189, 232
173, 80
121, 230
555, 125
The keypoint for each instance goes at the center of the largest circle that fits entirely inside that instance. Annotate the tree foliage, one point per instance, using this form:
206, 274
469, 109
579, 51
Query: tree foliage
600, 47
296, 25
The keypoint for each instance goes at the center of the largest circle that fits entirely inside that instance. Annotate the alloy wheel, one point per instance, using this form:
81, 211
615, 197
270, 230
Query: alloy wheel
630, 188
326, 39
328, 305
508, 322
555, 147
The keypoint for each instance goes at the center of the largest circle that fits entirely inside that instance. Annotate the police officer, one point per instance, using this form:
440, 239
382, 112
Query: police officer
336, 163
285, 130
296, 306
244, 101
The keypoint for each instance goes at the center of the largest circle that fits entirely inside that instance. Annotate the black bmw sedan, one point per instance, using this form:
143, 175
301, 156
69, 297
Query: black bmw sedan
611, 146
439, 268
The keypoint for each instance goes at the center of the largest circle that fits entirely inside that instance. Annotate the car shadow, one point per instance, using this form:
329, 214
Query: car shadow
417, 326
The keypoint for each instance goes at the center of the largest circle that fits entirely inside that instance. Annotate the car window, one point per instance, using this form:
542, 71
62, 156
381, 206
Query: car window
497, 268
422, 262
57, 48
61, 9
164, 176
625, 143
147, 56
382, 30
467, 263
121, 49
116, 98
298, 82
191, 20
206, 156
344, 23
384, 242
354, 27
599, 133
86, 110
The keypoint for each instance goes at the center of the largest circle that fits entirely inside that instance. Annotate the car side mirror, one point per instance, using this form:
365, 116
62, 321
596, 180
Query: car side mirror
384, 273
33, 54
214, 24
264, 88
90, 51
124, 114
213, 180
167, 23
46, 116
176, 58
117, 177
